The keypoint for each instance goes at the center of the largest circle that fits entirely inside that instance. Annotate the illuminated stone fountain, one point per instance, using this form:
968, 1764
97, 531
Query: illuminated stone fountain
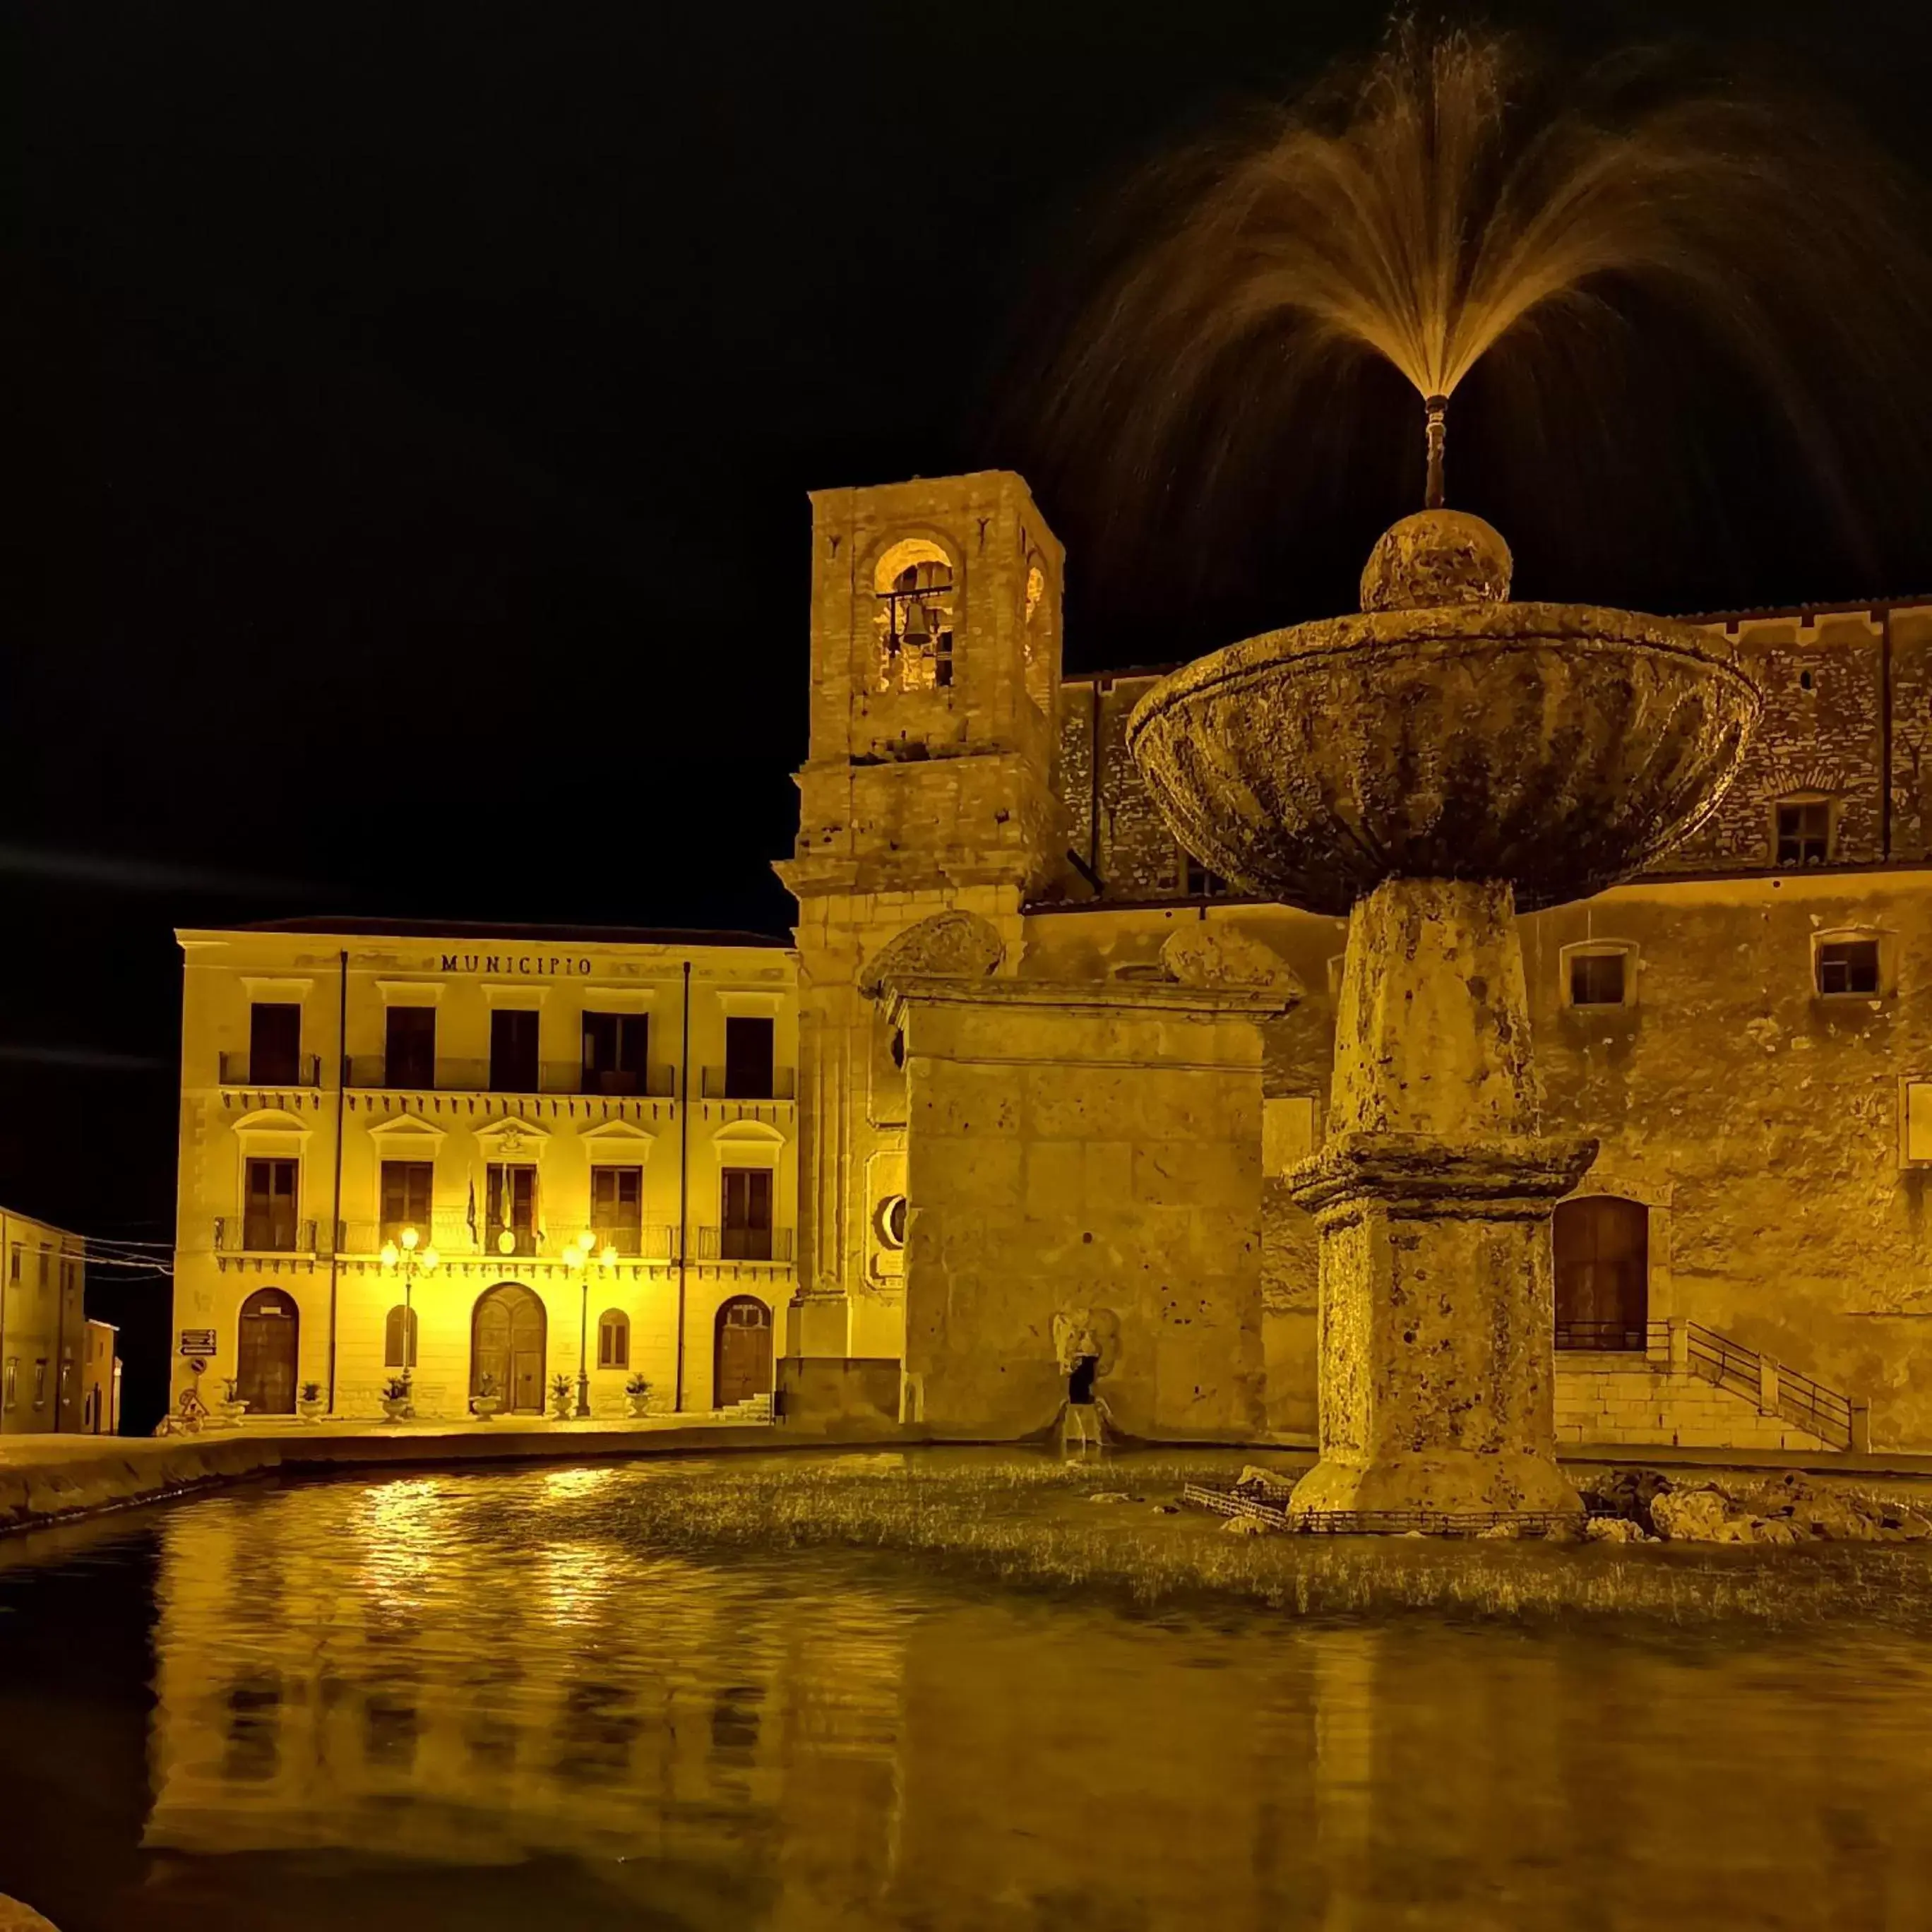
1428, 768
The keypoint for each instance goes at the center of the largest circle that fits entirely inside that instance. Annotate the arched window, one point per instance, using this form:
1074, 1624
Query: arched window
913, 585
613, 1340
399, 1338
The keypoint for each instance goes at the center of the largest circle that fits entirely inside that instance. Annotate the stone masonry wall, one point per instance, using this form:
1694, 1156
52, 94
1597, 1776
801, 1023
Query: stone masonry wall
1094, 1165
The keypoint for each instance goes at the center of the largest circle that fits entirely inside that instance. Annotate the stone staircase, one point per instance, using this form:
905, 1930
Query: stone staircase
753, 1409
1693, 1388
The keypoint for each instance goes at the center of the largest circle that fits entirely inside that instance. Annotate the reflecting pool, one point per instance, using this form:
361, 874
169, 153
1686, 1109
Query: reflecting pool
497, 1700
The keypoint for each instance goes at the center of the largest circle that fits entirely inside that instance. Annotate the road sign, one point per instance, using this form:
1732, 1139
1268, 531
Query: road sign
197, 1341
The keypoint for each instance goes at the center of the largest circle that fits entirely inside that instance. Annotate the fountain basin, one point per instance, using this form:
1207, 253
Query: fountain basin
1558, 746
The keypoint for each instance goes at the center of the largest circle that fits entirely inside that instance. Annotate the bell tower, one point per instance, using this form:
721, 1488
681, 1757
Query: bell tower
929, 787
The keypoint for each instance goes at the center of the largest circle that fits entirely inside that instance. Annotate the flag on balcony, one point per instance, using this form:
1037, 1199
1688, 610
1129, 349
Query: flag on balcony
471, 1215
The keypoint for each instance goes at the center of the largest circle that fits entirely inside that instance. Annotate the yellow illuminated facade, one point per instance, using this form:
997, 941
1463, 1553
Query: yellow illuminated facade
394, 1142
42, 1328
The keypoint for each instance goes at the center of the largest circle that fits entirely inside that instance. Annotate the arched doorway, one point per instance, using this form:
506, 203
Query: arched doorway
506, 1342
1603, 1273
266, 1347
744, 1352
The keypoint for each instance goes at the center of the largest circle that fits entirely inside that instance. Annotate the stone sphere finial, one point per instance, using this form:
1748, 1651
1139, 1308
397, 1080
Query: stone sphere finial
1437, 557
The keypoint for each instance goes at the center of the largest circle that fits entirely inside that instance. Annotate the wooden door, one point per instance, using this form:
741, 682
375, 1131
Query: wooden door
1603, 1273
265, 1351
507, 1338
744, 1364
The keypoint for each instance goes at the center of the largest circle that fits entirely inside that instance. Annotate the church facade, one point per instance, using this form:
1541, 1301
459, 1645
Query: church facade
1042, 1074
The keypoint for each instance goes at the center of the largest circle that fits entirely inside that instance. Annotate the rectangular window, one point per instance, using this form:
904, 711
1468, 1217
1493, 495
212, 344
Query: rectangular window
1848, 966
66, 1384
41, 1383
747, 1215
617, 1207
408, 1048
409, 1189
268, 1210
1804, 832
12, 1394
513, 1050
616, 1051
747, 1058
1197, 882
1596, 979
274, 1043
614, 1342
14, 1265
1918, 1110
512, 1207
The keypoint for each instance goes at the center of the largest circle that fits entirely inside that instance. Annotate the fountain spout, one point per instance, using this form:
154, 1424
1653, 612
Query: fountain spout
1435, 418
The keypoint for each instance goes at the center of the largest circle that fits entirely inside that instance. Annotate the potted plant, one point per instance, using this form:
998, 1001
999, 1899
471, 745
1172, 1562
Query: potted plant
231, 1407
637, 1393
488, 1400
396, 1406
309, 1404
563, 1397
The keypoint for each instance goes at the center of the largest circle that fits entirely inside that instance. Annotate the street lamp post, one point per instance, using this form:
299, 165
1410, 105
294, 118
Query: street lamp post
579, 1254
407, 1257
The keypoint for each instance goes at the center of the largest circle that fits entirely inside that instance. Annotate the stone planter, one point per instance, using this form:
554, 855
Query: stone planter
395, 1408
485, 1406
312, 1411
563, 1408
640, 1406
229, 1415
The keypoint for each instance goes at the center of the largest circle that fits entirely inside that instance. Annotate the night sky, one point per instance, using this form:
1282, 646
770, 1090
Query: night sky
412, 409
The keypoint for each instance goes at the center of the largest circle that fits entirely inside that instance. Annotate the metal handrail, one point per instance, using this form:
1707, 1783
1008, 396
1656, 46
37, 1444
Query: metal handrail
239, 1070
1807, 1403
368, 1071
744, 1244
233, 1236
715, 1083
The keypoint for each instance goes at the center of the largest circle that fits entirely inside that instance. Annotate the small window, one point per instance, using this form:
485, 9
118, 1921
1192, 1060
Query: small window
1597, 978
408, 1191
1804, 832
617, 1207
408, 1047
274, 1043
891, 1222
613, 1340
748, 1056
1197, 882
1915, 1123
399, 1338
616, 1052
513, 1050
1848, 966
41, 1383
12, 1392
13, 1265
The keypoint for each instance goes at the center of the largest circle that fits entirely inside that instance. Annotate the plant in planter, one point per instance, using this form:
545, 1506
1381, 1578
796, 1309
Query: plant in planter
562, 1398
637, 1393
397, 1405
231, 1407
488, 1400
309, 1404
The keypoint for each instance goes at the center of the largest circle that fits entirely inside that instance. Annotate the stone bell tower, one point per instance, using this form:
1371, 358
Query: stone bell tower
928, 788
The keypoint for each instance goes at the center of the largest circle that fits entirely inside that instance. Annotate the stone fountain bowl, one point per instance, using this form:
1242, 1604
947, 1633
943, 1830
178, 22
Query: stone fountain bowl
1560, 746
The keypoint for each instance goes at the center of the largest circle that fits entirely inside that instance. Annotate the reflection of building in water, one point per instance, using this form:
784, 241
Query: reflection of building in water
421, 1669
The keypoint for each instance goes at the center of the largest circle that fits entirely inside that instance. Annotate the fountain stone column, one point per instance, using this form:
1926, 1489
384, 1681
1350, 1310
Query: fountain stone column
1432, 1195
1428, 768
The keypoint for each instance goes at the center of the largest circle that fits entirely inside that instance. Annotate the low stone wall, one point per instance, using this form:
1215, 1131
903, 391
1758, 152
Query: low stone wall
848, 1395
36, 1489
1630, 1401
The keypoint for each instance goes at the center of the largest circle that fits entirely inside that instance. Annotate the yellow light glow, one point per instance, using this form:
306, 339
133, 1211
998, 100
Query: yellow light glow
429, 1261
609, 1255
410, 1237
390, 1254
506, 1242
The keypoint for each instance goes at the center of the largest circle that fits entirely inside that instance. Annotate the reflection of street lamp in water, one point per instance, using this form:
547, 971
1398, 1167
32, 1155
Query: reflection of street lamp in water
409, 1260
578, 1256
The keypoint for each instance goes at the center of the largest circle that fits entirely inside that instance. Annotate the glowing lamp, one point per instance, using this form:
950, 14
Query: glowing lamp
609, 1255
429, 1261
410, 1237
392, 1255
506, 1242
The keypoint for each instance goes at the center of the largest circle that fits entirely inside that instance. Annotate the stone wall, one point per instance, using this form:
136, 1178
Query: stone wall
1605, 1399
1083, 1159
1845, 691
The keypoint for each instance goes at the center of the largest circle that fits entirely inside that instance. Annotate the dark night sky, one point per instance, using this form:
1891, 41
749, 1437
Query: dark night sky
413, 407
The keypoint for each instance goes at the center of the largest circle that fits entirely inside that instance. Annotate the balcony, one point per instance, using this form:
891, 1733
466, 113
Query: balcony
744, 1244
449, 1233
263, 1235
279, 1070
369, 1071
734, 1083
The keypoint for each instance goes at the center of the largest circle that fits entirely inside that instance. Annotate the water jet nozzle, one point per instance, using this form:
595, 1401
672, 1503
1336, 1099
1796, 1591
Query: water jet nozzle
1436, 416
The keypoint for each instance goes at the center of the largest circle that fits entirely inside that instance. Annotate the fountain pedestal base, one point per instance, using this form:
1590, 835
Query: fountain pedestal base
1437, 1308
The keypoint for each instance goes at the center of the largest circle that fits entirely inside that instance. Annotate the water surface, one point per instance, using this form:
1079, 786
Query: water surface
492, 1700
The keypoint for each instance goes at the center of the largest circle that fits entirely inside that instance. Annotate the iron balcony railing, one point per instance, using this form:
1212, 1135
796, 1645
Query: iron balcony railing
1618, 1337
1775, 1387
744, 1244
726, 1083
251, 1070
263, 1235
449, 1232
375, 1070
